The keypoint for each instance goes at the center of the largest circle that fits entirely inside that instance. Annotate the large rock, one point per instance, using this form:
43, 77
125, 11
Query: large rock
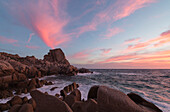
93, 92
4, 107
87, 106
48, 103
5, 94
84, 70
26, 108
5, 68
56, 55
15, 100
73, 97
142, 102
111, 100
15, 108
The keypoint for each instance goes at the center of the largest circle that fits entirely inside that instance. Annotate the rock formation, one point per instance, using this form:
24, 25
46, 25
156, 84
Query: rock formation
15, 71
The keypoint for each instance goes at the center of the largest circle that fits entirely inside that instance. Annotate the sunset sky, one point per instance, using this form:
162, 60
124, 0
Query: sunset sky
92, 33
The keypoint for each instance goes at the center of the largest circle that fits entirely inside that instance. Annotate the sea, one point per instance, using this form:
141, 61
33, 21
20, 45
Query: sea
151, 84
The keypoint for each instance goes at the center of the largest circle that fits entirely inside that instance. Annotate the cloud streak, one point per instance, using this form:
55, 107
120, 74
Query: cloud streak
7, 40
112, 32
114, 12
45, 18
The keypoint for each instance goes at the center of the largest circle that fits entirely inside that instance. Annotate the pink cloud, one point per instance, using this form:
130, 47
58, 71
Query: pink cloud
7, 40
112, 32
45, 18
32, 47
114, 12
134, 40
80, 55
106, 51
152, 43
30, 37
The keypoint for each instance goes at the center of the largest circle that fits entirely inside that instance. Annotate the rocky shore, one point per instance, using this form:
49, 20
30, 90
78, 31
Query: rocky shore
99, 99
21, 75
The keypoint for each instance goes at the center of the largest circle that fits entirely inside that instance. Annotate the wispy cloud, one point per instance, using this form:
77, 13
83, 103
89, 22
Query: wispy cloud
32, 47
7, 40
114, 12
134, 40
106, 51
112, 32
45, 18
30, 37
152, 43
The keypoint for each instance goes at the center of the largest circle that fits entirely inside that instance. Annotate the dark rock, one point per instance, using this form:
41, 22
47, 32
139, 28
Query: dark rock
18, 92
53, 88
15, 108
32, 102
71, 88
49, 83
56, 55
74, 85
93, 92
73, 97
63, 93
4, 107
67, 89
5, 68
57, 95
111, 100
5, 94
24, 100
84, 70
87, 106
15, 100
48, 103
26, 108
141, 101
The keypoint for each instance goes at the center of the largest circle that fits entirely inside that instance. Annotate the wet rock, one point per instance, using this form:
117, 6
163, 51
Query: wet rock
84, 70
73, 97
74, 85
87, 106
93, 92
48, 103
18, 92
4, 107
57, 95
141, 101
53, 88
15, 100
32, 102
5, 94
71, 88
111, 100
24, 100
15, 108
49, 83
66, 89
26, 108
63, 93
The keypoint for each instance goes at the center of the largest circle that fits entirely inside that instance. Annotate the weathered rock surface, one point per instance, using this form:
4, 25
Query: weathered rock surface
48, 103
87, 106
143, 103
15, 71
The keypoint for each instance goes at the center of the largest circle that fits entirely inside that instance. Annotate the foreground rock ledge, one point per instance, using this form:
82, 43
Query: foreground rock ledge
105, 100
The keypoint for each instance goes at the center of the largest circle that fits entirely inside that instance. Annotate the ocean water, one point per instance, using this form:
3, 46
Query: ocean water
153, 85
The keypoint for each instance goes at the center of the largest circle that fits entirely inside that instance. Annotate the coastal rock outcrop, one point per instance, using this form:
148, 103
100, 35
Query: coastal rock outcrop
15, 71
48, 103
